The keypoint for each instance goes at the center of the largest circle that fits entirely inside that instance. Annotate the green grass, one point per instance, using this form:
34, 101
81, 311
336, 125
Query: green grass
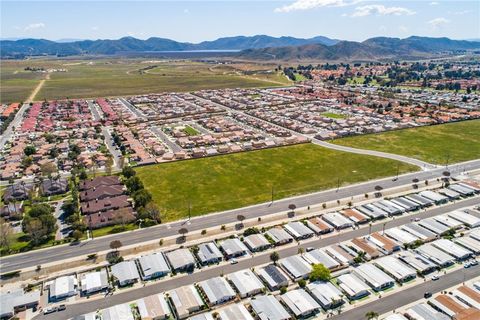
190, 131
100, 232
456, 142
236, 180
333, 115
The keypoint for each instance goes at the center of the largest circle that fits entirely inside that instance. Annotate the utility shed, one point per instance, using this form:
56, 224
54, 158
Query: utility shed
246, 282
337, 220
395, 268
185, 300
319, 256
256, 242
326, 294
209, 253
452, 249
469, 220
423, 311
300, 303
273, 276
353, 287
417, 261
154, 307
269, 308
279, 236
180, 259
296, 267
153, 266
125, 272
435, 255
118, 312
374, 277
94, 281
298, 230
217, 290
233, 248
235, 312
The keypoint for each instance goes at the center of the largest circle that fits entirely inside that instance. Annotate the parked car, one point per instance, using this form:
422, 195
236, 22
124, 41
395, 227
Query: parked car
233, 261
435, 277
474, 263
49, 310
310, 249
61, 307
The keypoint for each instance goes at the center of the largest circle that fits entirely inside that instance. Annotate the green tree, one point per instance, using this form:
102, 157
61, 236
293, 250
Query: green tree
141, 198
134, 184
371, 315
319, 273
302, 283
128, 172
29, 150
274, 256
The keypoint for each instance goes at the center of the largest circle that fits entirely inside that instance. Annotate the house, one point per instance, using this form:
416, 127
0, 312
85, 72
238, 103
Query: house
384, 244
298, 230
15, 301
355, 216
113, 203
361, 245
318, 256
233, 248
395, 268
400, 236
118, 312
209, 253
339, 254
418, 231
296, 267
469, 220
424, 311
337, 220
180, 260
374, 277
353, 287
256, 242
467, 296
152, 266
62, 287
18, 192
326, 294
185, 300
278, 236
435, 255
408, 205
433, 196
101, 192
154, 307
110, 217
452, 249
300, 303
125, 273
245, 282
12, 211
273, 276
93, 282
99, 181
319, 226
447, 305
234, 312
269, 308
217, 290
51, 187
417, 261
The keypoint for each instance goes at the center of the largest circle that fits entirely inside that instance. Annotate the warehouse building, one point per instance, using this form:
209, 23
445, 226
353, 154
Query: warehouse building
217, 290
326, 294
273, 276
374, 277
300, 303
296, 267
209, 253
395, 268
353, 287
246, 283
269, 308
153, 266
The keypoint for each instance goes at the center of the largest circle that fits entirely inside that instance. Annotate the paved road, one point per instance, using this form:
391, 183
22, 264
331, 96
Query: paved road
33, 258
132, 108
162, 136
114, 151
15, 123
94, 110
210, 272
410, 295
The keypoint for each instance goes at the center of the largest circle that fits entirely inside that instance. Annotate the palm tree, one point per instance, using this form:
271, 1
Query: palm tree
371, 315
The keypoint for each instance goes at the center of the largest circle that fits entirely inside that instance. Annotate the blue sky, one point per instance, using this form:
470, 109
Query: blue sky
195, 21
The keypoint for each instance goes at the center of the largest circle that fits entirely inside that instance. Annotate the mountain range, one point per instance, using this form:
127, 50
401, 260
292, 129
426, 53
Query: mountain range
259, 47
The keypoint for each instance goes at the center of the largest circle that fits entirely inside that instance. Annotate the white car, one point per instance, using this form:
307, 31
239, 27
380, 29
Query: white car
49, 310
435, 277
233, 261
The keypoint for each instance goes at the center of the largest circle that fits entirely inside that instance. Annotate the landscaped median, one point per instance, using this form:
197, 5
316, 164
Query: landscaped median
226, 182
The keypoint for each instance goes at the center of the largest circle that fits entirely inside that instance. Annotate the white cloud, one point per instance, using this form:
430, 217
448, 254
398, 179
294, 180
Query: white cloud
301, 5
434, 3
460, 13
33, 26
381, 10
94, 28
438, 22
403, 29
186, 11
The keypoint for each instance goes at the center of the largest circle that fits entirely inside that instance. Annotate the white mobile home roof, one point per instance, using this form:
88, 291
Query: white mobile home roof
256, 241
395, 316
295, 266
423, 311
468, 219
202, 316
447, 221
417, 261
419, 199
118, 312
125, 271
475, 235
449, 193
319, 256
273, 276
396, 268
461, 189
452, 248
233, 247
63, 286
246, 282
352, 285
235, 312
468, 186
400, 235
418, 231
299, 302
373, 276
180, 258
217, 290
433, 226
435, 255
388, 207
468, 243
153, 264
208, 252
153, 307
17, 298
94, 281
298, 230
279, 235
433, 196
337, 220
372, 211
185, 300
407, 204
324, 292
269, 308
339, 254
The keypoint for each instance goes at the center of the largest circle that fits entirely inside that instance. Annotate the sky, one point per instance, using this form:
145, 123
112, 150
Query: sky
196, 21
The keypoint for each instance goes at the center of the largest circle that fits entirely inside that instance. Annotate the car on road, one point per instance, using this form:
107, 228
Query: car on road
233, 261
61, 307
435, 277
427, 295
310, 249
49, 310
467, 265
417, 219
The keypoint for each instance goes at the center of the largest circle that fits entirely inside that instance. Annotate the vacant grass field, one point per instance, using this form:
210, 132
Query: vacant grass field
116, 77
236, 180
455, 142
333, 115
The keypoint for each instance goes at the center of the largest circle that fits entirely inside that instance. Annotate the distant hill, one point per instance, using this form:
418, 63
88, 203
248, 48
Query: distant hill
371, 49
26, 47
